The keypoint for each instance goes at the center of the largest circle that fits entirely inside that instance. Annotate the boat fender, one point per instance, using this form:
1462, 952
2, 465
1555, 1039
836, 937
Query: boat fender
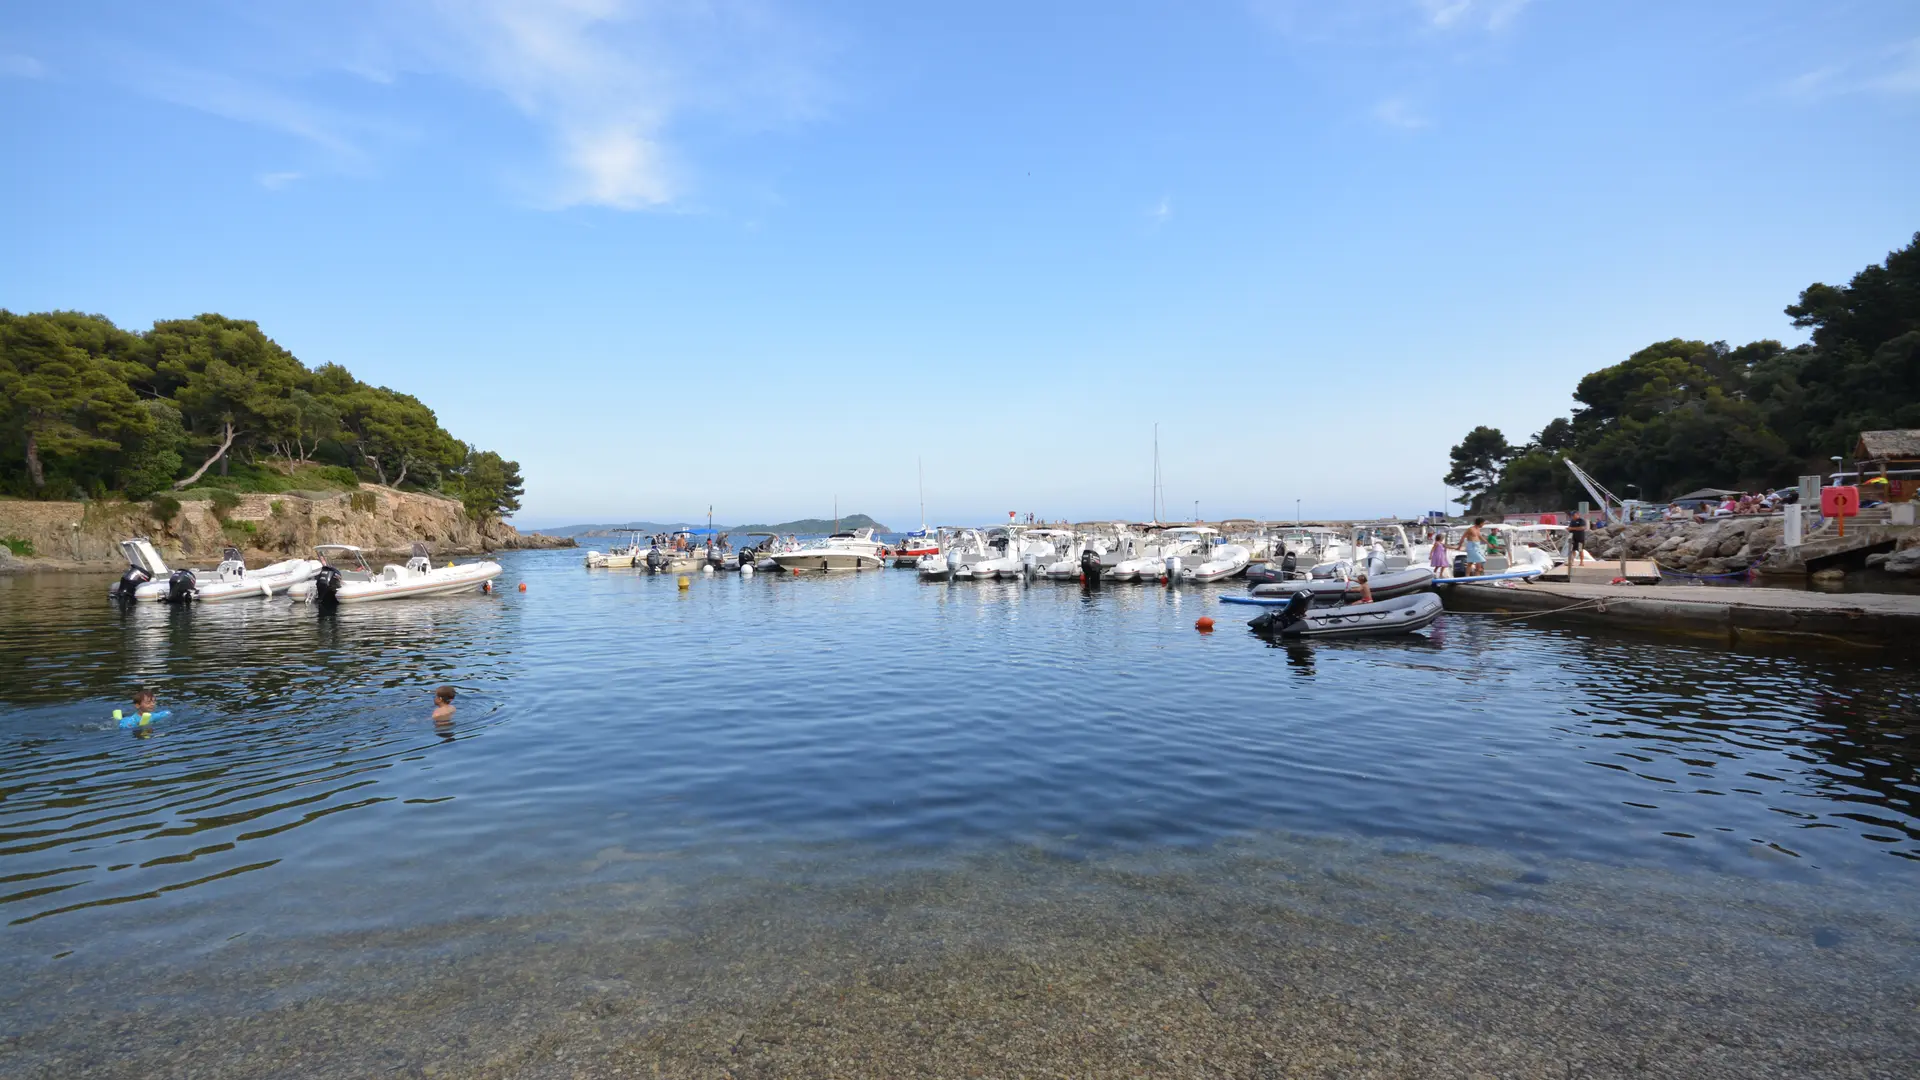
180, 586
141, 720
523, 586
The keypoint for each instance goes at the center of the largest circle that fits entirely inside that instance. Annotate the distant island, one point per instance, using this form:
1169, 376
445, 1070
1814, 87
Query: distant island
802, 527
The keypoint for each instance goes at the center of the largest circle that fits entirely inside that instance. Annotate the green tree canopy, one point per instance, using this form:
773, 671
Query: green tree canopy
1682, 414
86, 406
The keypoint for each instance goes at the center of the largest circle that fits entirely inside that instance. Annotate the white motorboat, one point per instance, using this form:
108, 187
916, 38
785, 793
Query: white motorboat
957, 547
856, 550
148, 578
1011, 551
1221, 561
1145, 559
347, 577
619, 557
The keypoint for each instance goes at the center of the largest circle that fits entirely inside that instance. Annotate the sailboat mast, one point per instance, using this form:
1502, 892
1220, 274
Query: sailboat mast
1153, 507
921, 469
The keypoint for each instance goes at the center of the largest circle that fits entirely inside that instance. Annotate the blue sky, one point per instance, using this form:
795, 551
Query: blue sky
761, 255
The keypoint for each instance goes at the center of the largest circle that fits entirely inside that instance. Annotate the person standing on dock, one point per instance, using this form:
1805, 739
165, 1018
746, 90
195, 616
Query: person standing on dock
1577, 537
1475, 540
1437, 559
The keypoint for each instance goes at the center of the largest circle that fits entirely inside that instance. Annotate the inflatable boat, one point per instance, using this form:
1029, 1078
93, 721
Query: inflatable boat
148, 578
347, 578
1299, 620
1336, 591
1220, 562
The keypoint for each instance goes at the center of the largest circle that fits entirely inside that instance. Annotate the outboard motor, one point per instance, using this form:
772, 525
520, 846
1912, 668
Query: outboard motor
656, 560
1273, 623
1091, 567
1460, 565
131, 580
326, 585
1289, 564
714, 558
181, 587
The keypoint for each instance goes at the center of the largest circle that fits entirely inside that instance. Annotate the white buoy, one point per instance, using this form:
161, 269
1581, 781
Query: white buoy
707, 569
746, 568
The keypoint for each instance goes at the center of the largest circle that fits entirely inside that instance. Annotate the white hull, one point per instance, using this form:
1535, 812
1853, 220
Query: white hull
1223, 562
399, 583
211, 588
828, 560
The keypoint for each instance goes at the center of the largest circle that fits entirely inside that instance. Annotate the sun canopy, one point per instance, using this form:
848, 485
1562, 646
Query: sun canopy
1704, 494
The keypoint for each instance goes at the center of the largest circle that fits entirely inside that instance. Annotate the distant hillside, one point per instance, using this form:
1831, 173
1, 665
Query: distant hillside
804, 527
808, 526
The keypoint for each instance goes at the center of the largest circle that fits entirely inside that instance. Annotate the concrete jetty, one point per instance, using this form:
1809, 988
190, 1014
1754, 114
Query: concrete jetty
1736, 615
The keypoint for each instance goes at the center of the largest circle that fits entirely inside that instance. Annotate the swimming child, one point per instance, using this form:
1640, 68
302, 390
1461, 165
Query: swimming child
143, 711
443, 703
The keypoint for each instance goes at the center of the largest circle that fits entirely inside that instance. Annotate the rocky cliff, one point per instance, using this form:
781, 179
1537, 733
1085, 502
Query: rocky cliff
264, 527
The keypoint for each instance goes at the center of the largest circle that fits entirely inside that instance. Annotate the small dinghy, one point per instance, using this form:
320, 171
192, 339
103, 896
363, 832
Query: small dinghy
1300, 620
148, 578
1337, 591
347, 578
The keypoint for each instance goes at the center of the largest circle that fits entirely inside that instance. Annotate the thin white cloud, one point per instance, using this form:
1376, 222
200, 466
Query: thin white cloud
609, 80
21, 66
610, 87
1162, 211
1891, 70
1400, 113
274, 181
249, 101
1386, 20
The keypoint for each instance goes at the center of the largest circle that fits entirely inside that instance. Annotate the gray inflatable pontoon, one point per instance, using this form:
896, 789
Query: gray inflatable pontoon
1300, 620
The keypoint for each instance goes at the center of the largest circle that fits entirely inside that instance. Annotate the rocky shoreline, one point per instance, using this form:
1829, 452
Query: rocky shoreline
1729, 546
87, 535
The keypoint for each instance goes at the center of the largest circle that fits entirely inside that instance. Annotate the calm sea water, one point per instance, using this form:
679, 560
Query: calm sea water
608, 719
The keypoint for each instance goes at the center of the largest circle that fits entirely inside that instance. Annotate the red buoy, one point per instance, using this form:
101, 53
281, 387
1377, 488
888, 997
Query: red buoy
523, 586
1204, 625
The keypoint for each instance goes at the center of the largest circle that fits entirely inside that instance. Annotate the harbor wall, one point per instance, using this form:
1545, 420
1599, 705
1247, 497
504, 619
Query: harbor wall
264, 527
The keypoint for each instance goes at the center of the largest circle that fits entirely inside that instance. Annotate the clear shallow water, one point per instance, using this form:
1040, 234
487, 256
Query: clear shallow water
610, 724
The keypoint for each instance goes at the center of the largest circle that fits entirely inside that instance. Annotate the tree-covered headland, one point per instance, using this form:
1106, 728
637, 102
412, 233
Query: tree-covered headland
89, 410
1680, 415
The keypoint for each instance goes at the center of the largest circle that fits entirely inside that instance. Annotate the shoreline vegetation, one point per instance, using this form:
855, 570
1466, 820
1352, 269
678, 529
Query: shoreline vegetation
1683, 414
212, 406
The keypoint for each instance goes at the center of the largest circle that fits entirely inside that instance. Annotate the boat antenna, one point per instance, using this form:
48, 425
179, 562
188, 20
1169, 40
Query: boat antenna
1153, 511
920, 468
836, 513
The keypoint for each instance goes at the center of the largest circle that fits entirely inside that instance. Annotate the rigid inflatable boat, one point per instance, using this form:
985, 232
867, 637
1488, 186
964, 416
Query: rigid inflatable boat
1299, 620
347, 578
148, 578
1336, 591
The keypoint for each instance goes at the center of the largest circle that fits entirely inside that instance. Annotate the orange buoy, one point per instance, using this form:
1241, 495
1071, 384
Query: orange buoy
486, 586
1204, 625
523, 586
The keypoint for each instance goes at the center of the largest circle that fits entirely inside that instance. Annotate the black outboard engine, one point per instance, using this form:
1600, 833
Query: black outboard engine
1273, 623
1289, 564
134, 578
656, 560
326, 585
1091, 567
1460, 565
181, 587
714, 558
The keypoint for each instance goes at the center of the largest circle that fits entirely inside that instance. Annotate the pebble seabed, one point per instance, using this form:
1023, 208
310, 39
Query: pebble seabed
1317, 958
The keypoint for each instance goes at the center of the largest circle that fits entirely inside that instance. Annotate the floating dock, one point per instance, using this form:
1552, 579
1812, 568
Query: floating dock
1602, 572
1734, 614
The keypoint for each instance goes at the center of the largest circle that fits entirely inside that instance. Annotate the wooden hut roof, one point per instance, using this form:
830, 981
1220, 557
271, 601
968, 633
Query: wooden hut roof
1899, 444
